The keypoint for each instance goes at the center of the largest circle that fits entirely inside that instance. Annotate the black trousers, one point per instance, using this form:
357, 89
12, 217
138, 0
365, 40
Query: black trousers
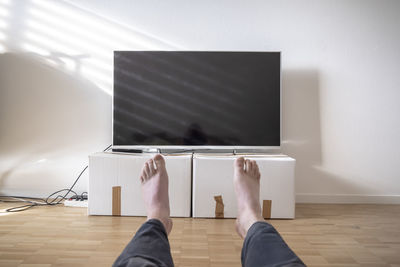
263, 246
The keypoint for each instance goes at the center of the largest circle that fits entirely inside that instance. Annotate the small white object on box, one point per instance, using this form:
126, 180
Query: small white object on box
213, 175
76, 203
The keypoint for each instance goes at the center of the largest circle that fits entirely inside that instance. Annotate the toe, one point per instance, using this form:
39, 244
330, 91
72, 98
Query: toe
150, 162
144, 175
250, 168
247, 166
253, 167
159, 160
257, 172
239, 164
147, 169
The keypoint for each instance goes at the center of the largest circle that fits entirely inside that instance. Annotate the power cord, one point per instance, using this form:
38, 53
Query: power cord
32, 202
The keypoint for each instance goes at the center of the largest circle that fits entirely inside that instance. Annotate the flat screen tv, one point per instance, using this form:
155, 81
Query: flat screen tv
196, 100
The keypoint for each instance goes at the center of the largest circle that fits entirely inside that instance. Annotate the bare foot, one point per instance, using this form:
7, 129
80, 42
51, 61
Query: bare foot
247, 188
154, 180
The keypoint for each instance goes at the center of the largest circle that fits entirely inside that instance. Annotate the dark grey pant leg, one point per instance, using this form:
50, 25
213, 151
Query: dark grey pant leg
149, 247
263, 246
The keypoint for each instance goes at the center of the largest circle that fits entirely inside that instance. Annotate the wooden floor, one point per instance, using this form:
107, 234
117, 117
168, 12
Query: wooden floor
322, 235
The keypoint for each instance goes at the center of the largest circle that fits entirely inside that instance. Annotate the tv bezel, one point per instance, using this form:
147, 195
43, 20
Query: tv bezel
154, 148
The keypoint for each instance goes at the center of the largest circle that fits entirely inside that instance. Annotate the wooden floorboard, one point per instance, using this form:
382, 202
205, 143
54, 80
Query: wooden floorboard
321, 234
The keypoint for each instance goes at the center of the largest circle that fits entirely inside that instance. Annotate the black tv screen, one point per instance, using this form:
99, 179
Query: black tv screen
186, 98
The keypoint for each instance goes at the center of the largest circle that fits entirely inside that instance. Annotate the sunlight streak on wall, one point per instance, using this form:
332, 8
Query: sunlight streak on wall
77, 40
35, 49
50, 42
4, 16
69, 63
98, 75
3, 24
100, 27
63, 37
4, 12
42, 21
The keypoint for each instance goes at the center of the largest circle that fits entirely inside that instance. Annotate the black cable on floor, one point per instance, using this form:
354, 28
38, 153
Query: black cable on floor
55, 201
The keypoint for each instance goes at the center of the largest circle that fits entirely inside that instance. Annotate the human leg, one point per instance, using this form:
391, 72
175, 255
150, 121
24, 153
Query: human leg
263, 246
150, 245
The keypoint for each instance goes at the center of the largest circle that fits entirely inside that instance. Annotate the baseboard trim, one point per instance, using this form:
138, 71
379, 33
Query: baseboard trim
347, 199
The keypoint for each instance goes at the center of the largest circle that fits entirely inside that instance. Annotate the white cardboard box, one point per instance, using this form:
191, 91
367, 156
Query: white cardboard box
111, 169
213, 175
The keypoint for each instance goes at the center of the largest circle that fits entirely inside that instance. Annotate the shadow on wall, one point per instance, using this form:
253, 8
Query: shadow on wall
49, 119
301, 138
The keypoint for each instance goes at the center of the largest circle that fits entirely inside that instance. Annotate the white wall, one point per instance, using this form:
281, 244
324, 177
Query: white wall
341, 62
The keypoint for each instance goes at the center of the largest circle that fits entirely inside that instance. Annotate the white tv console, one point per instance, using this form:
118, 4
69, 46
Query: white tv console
194, 180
